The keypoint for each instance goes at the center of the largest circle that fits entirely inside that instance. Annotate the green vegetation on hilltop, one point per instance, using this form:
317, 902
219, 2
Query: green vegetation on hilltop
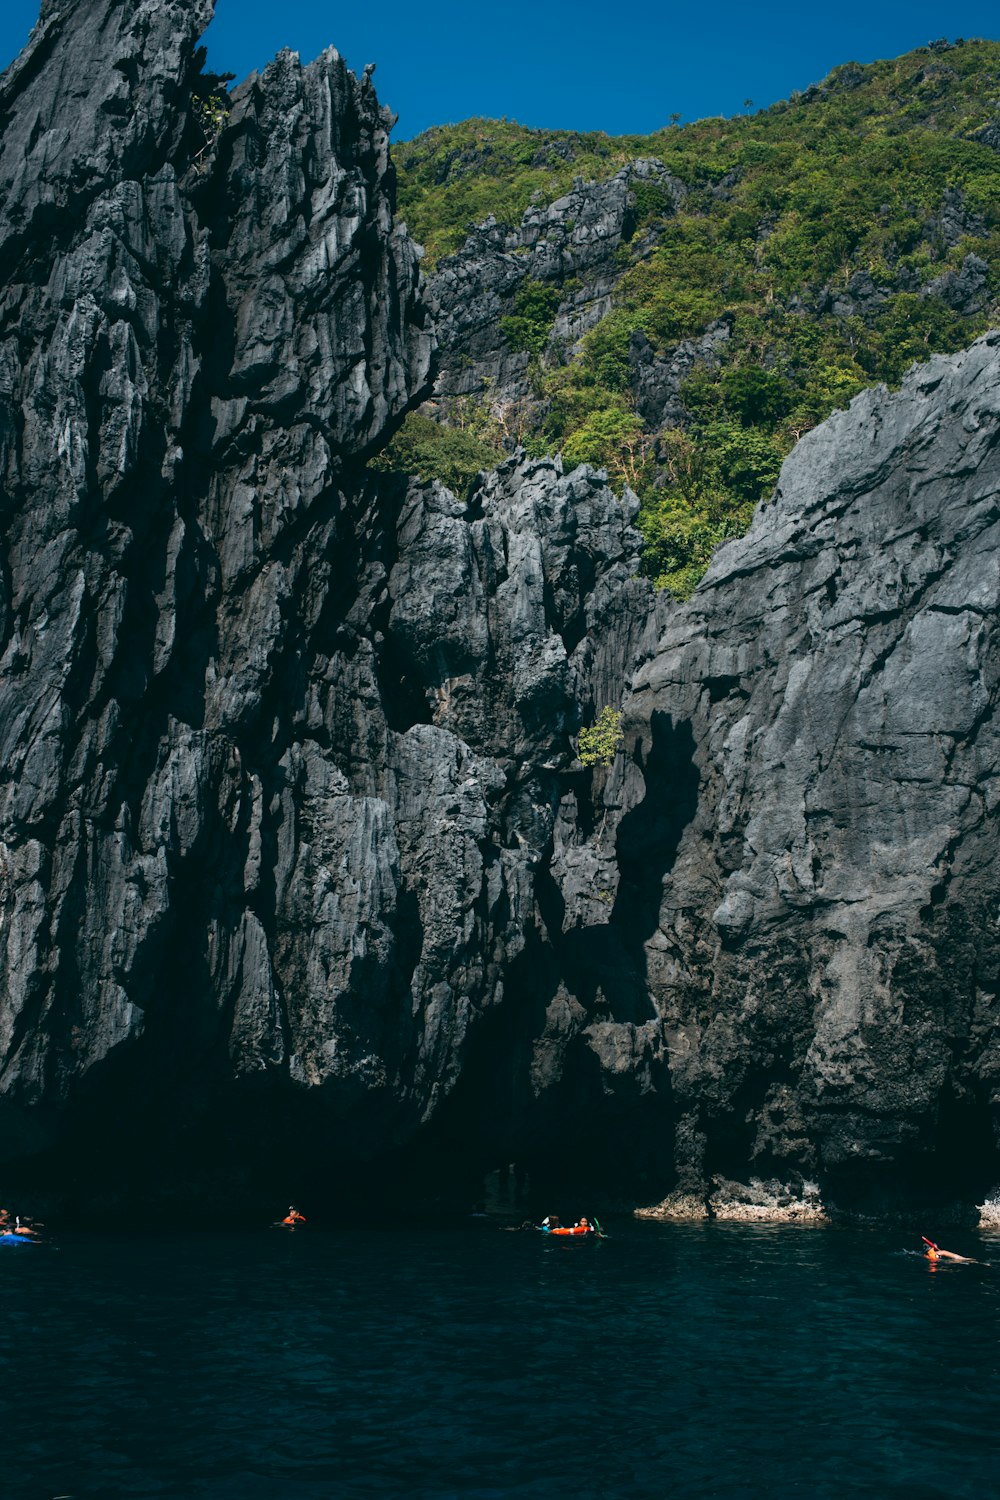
455, 176
818, 230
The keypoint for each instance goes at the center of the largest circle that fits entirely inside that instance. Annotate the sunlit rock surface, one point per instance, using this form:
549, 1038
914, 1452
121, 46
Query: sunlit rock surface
299, 875
823, 944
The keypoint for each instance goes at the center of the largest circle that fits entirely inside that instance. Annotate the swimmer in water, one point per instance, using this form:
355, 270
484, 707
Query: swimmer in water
935, 1253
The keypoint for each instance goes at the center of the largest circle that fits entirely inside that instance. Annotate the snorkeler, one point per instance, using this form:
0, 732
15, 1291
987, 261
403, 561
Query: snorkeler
935, 1253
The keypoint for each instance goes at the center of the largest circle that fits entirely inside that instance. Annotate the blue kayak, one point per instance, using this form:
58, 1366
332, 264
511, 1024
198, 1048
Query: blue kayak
17, 1239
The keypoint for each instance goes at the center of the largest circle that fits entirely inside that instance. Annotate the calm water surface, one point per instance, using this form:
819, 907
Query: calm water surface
665, 1361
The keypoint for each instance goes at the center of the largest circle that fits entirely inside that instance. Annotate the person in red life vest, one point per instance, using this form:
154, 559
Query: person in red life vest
293, 1218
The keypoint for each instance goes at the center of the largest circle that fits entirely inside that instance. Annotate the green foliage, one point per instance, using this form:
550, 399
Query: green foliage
650, 201
680, 288
714, 478
611, 438
211, 112
679, 544
606, 349
786, 210
744, 462
535, 307
600, 742
756, 397
454, 455
909, 328
455, 176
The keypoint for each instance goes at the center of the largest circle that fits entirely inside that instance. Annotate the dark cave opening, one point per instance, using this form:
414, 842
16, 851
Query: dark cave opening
950, 1171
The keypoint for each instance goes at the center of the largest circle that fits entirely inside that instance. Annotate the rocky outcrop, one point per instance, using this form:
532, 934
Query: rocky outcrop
756, 1202
989, 135
569, 246
299, 873
860, 298
966, 290
824, 959
657, 380
954, 220
202, 339
283, 742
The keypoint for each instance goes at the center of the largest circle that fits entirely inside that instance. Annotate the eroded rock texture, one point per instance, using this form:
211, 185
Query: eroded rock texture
199, 348
825, 959
283, 744
570, 248
298, 870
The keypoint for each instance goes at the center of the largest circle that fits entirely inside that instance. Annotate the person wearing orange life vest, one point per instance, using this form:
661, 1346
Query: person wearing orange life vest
583, 1227
935, 1253
293, 1217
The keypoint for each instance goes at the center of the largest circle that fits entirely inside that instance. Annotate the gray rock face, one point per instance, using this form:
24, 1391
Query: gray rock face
989, 135
965, 290
573, 241
954, 220
824, 958
198, 351
283, 744
657, 381
297, 865
861, 297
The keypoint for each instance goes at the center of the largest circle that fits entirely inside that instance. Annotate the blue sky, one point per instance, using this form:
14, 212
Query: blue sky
562, 64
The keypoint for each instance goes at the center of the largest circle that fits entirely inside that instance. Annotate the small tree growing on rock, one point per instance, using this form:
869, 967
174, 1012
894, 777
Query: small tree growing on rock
211, 112
600, 742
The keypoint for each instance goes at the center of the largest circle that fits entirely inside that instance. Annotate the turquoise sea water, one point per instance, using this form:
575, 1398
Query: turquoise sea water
694, 1361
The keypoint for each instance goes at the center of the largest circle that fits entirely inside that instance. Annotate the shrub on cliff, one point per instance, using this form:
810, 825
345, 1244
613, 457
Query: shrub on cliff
612, 438
535, 307
599, 743
714, 477
427, 449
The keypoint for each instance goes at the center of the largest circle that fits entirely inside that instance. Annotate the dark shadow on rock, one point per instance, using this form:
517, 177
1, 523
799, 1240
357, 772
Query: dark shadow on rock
569, 1126
606, 973
650, 835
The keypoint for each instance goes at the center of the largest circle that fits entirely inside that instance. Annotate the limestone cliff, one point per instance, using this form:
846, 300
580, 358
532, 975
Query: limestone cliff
282, 743
572, 247
300, 878
825, 954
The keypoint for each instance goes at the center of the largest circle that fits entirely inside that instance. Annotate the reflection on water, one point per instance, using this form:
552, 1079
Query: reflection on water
701, 1361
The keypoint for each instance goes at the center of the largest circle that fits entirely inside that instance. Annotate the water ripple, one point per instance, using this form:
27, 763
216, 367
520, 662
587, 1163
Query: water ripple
689, 1361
